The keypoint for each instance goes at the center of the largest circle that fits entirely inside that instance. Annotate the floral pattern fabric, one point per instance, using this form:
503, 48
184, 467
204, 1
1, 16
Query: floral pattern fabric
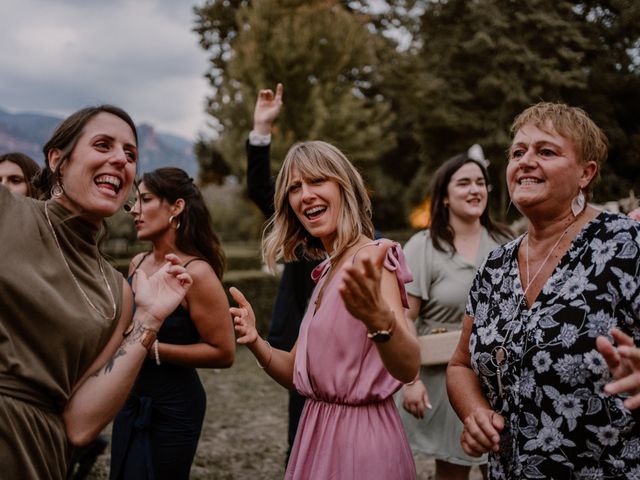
558, 421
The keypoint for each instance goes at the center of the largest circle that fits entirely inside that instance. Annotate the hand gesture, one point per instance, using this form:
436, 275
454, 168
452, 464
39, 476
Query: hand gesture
160, 294
415, 399
635, 214
244, 319
481, 432
361, 292
267, 109
624, 364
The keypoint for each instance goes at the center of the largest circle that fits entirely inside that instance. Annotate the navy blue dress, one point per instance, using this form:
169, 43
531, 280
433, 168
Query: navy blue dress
156, 433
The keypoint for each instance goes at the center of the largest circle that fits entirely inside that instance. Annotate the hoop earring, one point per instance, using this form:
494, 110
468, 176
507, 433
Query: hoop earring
57, 191
171, 219
578, 204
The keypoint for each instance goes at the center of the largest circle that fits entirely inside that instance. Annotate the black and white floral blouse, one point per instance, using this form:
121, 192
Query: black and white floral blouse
559, 422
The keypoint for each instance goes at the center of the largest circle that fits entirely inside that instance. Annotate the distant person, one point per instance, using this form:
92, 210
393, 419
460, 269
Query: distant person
443, 260
156, 433
355, 347
16, 172
296, 284
527, 378
72, 346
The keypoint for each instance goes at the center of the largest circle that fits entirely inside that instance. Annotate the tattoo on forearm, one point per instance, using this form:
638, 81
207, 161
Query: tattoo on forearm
133, 337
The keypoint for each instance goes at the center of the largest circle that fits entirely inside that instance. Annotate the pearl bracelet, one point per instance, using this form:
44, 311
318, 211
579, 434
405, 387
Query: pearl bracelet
156, 354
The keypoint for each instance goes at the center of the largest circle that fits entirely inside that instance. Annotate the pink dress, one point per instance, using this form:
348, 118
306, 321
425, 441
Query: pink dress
350, 428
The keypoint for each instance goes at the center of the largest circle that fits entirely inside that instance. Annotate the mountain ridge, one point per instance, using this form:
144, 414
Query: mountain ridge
27, 132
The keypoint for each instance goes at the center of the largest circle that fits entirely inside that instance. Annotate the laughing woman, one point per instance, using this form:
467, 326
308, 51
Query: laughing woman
69, 350
355, 348
156, 433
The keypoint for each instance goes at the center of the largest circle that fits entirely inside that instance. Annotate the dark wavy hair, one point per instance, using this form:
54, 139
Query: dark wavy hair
196, 235
441, 232
65, 138
28, 166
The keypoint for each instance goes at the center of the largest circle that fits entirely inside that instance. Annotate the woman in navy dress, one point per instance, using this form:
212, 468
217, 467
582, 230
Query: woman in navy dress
156, 434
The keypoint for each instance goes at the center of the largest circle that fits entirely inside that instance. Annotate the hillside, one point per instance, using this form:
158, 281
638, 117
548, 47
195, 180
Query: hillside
27, 133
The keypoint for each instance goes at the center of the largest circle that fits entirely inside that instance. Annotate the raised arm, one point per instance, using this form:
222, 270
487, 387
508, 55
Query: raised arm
482, 425
101, 392
260, 185
371, 294
624, 363
278, 364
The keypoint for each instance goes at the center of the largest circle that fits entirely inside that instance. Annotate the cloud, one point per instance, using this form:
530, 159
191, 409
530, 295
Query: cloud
59, 55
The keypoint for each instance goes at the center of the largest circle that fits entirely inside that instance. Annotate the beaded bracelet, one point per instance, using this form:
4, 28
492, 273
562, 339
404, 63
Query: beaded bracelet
270, 356
156, 353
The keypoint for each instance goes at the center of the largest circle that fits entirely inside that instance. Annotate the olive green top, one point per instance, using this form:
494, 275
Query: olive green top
49, 335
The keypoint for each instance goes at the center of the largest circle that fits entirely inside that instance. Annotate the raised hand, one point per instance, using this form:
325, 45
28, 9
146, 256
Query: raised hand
244, 320
267, 109
361, 291
415, 399
159, 294
481, 432
624, 364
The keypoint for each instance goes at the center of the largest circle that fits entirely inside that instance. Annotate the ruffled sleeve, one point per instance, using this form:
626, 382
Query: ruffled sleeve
396, 262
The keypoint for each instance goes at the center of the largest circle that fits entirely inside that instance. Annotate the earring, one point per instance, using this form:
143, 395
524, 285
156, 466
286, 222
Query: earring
171, 219
578, 204
56, 190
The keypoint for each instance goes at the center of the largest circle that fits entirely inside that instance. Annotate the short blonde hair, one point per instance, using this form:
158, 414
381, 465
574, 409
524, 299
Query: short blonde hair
571, 122
287, 239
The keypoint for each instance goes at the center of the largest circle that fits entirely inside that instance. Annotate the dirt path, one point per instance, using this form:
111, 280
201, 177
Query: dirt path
244, 435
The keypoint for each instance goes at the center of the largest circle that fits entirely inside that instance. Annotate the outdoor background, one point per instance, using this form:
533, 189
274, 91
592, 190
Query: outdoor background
399, 86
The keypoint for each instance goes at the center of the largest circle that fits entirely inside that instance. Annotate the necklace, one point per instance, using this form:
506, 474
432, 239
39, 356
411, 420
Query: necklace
75, 280
500, 354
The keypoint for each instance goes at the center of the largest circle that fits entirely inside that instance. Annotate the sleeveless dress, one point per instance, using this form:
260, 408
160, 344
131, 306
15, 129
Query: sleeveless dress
442, 281
49, 335
155, 435
350, 428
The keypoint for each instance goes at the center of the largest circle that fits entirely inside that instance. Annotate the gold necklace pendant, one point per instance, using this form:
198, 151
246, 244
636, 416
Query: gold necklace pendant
75, 280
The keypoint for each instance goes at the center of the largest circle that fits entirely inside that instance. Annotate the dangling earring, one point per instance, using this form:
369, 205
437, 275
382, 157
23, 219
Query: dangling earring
578, 204
171, 219
57, 190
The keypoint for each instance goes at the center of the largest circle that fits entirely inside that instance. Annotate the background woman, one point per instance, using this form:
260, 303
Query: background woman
16, 172
70, 351
355, 346
156, 433
443, 260
527, 377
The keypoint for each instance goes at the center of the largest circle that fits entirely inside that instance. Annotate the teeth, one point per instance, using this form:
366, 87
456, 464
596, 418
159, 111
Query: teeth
313, 210
528, 181
115, 181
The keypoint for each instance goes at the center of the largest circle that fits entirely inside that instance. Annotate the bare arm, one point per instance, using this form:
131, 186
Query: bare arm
277, 363
209, 311
482, 425
103, 389
372, 295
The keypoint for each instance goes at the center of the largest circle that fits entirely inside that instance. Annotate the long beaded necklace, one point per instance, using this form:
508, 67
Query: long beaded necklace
500, 353
75, 280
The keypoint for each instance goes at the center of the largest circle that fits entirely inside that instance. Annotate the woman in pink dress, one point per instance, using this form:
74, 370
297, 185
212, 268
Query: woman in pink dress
355, 348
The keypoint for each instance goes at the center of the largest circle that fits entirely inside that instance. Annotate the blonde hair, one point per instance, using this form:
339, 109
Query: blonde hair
590, 142
287, 238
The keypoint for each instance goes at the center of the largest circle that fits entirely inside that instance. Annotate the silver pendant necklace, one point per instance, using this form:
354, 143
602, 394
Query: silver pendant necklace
75, 280
500, 353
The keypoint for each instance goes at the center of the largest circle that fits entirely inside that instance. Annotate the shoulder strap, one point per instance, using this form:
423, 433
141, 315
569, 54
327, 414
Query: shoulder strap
141, 260
185, 265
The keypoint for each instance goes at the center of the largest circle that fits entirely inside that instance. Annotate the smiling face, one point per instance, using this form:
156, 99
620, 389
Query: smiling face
467, 193
98, 176
11, 176
544, 172
316, 203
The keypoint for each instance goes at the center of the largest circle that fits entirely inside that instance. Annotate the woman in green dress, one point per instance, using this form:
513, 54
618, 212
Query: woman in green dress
443, 260
69, 347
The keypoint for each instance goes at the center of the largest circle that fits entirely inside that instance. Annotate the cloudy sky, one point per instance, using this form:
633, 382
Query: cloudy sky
57, 56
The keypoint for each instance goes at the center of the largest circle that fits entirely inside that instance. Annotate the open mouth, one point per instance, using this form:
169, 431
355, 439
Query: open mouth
314, 212
108, 182
528, 181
